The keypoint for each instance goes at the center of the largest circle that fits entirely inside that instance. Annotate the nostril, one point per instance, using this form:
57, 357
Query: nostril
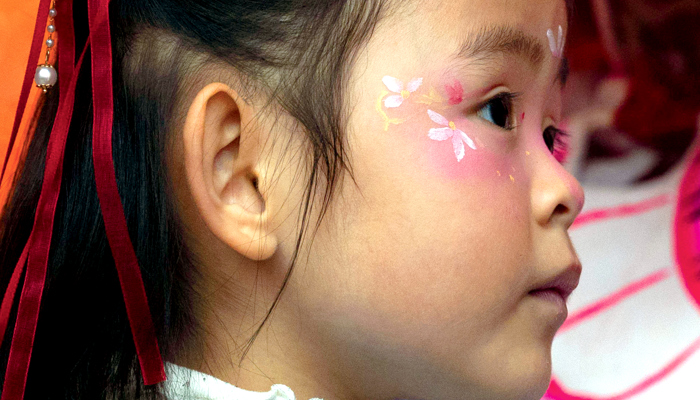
560, 209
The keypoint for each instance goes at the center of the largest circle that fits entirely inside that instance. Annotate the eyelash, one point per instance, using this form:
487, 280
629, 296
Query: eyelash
505, 100
557, 142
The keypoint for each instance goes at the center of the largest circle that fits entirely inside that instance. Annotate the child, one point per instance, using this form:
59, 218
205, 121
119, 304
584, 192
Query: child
357, 199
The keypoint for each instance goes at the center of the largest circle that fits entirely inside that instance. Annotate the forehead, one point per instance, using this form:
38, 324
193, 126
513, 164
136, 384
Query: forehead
428, 38
441, 27
522, 13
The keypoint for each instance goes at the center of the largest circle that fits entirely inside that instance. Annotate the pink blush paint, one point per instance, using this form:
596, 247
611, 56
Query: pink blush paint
455, 92
440, 158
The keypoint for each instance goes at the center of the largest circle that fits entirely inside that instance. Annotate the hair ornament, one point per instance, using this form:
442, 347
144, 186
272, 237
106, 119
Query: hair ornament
46, 76
33, 262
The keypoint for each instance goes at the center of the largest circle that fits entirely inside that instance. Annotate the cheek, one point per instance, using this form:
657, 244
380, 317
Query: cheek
489, 163
439, 160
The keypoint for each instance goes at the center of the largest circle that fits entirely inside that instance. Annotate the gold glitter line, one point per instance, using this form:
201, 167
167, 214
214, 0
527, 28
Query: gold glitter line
430, 98
387, 120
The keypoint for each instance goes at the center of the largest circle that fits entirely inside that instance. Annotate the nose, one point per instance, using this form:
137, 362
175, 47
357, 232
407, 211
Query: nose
557, 197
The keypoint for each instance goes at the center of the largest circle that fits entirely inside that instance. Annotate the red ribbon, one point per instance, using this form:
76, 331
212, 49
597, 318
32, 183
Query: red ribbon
36, 251
40, 239
134, 293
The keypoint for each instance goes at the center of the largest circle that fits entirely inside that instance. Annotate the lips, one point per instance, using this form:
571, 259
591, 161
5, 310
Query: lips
562, 284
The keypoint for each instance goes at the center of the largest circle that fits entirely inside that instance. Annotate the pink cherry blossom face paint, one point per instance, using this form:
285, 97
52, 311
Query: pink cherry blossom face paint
445, 133
450, 131
455, 92
400, 91
394, 97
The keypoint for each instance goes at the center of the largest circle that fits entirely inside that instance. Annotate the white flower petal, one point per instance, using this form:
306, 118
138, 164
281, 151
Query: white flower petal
437, 118
393, 84
467, 139
440, 133
552, 42
393, 101
458, 146
414, 84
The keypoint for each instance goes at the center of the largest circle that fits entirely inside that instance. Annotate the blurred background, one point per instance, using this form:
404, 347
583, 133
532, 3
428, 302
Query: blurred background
631, 108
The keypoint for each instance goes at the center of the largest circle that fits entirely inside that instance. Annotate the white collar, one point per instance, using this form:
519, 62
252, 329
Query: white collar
187, 384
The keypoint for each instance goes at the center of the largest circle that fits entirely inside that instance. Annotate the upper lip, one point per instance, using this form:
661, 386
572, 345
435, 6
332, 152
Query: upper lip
563, 283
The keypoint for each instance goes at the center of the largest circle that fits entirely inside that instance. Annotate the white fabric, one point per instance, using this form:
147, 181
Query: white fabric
615, 350
187, 384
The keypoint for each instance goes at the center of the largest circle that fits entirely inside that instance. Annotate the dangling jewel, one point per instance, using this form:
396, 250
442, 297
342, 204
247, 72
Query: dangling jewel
46, 75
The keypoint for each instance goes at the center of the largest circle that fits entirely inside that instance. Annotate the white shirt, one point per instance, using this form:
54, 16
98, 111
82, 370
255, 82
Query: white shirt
187, 384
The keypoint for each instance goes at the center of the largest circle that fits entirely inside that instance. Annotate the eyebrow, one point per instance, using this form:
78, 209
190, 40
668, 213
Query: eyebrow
498, 41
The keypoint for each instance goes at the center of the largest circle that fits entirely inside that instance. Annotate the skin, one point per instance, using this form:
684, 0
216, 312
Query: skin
417, 283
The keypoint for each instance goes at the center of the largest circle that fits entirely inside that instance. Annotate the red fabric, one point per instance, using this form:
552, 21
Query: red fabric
687, 230
650, 110
127, 266
39, 245
37, 43
8, 298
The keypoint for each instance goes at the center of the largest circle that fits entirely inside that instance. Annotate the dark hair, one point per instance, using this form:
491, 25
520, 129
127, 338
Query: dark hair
297, 52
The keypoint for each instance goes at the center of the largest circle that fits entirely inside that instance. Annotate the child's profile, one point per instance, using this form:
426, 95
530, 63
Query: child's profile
353, 199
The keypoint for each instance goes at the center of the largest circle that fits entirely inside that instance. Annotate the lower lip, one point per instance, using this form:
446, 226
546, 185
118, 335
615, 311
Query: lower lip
553, 297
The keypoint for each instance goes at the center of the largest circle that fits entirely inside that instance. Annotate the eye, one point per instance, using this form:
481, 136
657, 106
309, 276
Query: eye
557, 142
498, 110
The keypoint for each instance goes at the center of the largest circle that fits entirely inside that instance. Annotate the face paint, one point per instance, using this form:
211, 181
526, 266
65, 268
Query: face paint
450, 131
387, 120
455, 92
402, 92
430, 98
556, 44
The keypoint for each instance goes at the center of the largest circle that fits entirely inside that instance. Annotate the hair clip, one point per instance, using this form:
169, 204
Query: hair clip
556, 45
46, 75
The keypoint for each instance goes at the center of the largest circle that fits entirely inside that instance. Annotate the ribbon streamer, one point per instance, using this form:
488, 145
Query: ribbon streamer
130, 279
35, 255
39, 242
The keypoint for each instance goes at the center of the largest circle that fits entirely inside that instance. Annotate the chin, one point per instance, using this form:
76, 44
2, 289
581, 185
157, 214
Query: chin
535, 377
525, 376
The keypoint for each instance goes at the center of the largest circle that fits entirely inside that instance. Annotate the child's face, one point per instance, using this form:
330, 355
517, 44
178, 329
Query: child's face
421, 279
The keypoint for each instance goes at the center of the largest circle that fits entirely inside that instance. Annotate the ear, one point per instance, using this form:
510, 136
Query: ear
222, 149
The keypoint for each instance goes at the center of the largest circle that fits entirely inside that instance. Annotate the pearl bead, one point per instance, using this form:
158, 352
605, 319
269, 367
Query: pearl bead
51, 28
52, 12
45, 76
49, 43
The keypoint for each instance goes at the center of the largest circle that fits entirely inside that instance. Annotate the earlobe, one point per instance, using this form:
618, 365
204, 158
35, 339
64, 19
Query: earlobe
222, 153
